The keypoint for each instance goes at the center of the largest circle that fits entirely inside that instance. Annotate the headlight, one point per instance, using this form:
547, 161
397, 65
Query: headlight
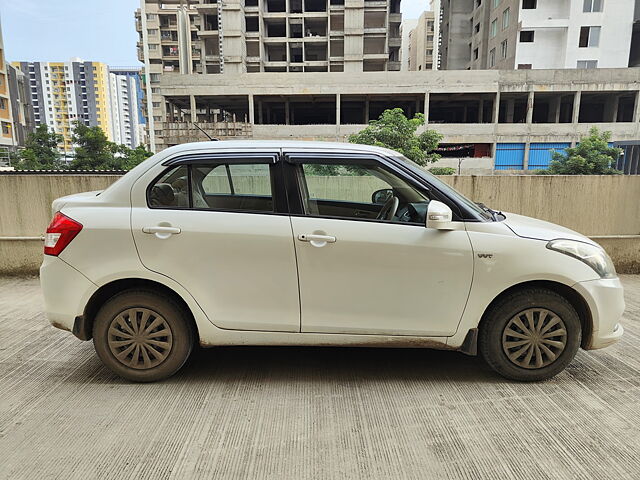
592, 255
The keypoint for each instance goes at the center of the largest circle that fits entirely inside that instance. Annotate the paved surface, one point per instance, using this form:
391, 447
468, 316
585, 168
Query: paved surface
292, 413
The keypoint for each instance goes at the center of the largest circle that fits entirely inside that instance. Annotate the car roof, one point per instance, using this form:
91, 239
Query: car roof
277, 144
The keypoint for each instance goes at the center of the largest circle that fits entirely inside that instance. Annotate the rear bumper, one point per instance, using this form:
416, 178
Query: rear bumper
65, 291
605, 298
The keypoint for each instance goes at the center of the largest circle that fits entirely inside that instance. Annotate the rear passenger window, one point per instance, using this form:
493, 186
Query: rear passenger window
171, 190
240, 187
227, 187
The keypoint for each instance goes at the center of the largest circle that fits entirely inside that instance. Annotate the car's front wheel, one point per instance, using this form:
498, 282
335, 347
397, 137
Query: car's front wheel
530, 335
142, 336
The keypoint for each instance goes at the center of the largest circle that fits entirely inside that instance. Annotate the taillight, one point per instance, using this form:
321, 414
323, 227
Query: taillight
60, 232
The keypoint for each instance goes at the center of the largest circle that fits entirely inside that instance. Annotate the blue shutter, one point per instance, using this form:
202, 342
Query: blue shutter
540, 154
509, 156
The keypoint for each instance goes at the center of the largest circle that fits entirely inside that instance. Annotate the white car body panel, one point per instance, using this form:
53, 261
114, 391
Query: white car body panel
111, 247
241, 267
376, 278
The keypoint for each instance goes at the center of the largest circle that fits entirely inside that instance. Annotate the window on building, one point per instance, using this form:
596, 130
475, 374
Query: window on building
589, 37
505, 18
504, 49
524, 66
584, 64
496, 3
153, 31
493, 29
153, 46
478, 3
492, 58
429, 38
6, 129
592, 6
477, 28
526, 36
475, 54
529, 4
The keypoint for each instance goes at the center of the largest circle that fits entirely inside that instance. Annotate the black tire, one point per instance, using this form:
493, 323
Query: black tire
497, 344
151, 326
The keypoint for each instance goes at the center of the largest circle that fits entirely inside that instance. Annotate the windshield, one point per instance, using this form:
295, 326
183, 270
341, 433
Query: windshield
478, 212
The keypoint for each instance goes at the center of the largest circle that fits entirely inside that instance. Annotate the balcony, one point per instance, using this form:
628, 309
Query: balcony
207, 7
209, 29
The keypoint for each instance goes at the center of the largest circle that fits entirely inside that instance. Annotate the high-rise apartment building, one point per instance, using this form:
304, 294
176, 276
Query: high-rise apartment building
63, 93
634, 54
21, 109
405, 29
127, 117
7, 140
180, 38
238, 36
538, 34
421, 43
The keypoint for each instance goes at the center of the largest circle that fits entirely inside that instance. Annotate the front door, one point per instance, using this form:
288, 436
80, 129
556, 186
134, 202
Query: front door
215, 227
366, 262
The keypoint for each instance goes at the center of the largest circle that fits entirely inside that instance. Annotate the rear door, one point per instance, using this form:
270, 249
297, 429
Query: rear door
219, 226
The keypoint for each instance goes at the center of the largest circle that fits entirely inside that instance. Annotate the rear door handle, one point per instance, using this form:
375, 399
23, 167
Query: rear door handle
161, 231
317, 240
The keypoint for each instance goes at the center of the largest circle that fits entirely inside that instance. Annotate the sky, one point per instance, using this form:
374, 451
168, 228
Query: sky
99, 30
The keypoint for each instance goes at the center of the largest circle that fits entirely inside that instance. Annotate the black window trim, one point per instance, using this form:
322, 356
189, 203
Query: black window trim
228, 157
396, 167
276, 177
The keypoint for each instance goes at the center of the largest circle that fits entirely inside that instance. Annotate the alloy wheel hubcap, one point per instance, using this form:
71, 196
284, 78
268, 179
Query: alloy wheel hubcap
534, 338
140, 338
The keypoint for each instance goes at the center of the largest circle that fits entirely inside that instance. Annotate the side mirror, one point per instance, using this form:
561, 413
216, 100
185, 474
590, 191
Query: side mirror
439, 216
380, 197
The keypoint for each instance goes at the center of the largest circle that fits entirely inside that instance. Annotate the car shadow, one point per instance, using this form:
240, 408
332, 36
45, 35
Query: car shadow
322, 364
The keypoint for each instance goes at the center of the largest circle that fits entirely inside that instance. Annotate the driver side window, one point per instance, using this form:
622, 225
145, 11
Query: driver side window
362, 190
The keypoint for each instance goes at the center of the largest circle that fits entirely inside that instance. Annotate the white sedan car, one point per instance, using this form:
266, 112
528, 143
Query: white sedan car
312, 243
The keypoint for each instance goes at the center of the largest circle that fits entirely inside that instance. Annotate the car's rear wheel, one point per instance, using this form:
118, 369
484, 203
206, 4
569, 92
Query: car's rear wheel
142, 336
530, 335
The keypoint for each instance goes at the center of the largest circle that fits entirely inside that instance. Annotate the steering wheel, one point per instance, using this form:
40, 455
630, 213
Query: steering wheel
389, 209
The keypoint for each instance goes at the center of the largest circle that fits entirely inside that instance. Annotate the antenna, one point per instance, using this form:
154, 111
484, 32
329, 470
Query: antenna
199, 128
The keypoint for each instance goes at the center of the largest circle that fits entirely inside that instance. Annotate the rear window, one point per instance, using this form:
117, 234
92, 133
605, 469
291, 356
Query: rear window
225, 187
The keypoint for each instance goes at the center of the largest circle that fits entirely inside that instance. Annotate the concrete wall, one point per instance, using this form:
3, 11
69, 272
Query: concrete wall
603, 207
25, 211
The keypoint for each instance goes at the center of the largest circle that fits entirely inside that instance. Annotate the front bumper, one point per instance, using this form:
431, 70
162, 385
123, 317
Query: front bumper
65, 291
605, 298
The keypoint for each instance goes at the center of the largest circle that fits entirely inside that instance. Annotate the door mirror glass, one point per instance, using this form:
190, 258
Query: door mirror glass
439, 216
380, 197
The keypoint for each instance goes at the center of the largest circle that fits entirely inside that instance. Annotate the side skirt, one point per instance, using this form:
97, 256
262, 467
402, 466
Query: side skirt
247, 338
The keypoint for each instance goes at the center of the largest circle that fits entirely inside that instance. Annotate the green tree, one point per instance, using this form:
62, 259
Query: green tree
592, 156
443, 170
395, 131
41, 150
93, 149
126, 158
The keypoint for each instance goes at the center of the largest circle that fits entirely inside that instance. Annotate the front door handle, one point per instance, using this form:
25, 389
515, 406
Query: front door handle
162, 231
317, 240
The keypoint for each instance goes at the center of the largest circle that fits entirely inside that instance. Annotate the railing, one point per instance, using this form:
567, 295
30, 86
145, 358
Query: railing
183, 132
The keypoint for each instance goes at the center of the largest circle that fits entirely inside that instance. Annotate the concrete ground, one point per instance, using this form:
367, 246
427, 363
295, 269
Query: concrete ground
293, 413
